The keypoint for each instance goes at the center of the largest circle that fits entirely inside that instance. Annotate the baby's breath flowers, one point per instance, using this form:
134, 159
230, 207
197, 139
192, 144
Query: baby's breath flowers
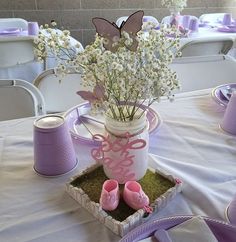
178, 5
51, 43
127, 79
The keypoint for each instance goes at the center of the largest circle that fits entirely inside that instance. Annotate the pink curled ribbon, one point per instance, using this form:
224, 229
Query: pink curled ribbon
122, 146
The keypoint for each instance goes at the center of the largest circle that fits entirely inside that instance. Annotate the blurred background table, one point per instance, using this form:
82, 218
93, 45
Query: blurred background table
208, 32
18, 60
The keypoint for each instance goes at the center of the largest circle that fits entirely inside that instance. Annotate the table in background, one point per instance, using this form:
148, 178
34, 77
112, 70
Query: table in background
28, 71
210, 32
189, 144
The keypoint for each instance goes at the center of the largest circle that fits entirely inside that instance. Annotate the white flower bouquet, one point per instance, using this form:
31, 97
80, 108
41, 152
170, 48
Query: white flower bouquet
52, 43
128, 70
178, 5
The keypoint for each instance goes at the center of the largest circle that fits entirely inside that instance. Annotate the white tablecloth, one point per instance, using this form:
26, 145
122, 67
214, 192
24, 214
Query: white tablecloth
209, 32
189, 144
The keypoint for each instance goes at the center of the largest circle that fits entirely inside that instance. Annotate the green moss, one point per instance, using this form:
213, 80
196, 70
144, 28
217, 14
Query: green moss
152, 183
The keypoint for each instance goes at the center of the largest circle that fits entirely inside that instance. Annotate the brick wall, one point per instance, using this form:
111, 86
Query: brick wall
76, 15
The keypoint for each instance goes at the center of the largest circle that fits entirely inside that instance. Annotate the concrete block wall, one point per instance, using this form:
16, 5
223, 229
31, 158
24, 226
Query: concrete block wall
76, 15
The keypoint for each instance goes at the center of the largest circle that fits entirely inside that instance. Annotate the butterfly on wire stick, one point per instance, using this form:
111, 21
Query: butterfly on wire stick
97, 94
112, 33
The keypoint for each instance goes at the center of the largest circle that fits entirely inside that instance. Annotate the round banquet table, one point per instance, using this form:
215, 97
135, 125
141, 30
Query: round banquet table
188, 144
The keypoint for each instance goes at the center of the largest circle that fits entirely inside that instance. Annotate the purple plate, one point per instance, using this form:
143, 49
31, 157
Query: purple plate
203, 24
222, 230
10, 31
82, 125
218, 96
226, 29
230, 211
232, 26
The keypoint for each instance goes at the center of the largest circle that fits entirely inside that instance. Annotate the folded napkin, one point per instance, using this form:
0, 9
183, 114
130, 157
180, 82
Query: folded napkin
194, 230
8, 31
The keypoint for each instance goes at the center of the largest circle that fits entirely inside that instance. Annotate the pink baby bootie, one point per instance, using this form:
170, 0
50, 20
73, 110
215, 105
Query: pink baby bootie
134, 196
110, 195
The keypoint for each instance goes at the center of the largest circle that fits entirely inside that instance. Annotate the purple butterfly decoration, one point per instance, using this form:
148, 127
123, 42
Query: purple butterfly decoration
112, 32
97, 94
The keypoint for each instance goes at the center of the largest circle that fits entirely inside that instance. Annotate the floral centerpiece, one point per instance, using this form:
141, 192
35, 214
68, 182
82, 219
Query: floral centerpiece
174, 5
125, 70
52, 43
132, 71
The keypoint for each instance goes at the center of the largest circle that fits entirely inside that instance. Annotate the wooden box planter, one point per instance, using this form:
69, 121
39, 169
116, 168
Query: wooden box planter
86, 187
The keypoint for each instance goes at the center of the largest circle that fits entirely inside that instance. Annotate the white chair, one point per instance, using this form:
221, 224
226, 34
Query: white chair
146, 18
16, 50
207, 46
13, 23
19, 99
202, 72
59, 91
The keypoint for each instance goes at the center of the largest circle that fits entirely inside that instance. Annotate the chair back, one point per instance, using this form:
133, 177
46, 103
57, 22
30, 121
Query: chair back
203, 72
16, 50
13, 23
207, 46
59, 91
19, 99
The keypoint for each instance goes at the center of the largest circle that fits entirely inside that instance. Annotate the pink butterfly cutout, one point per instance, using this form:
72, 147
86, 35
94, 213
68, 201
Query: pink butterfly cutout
112, 32
97, 94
